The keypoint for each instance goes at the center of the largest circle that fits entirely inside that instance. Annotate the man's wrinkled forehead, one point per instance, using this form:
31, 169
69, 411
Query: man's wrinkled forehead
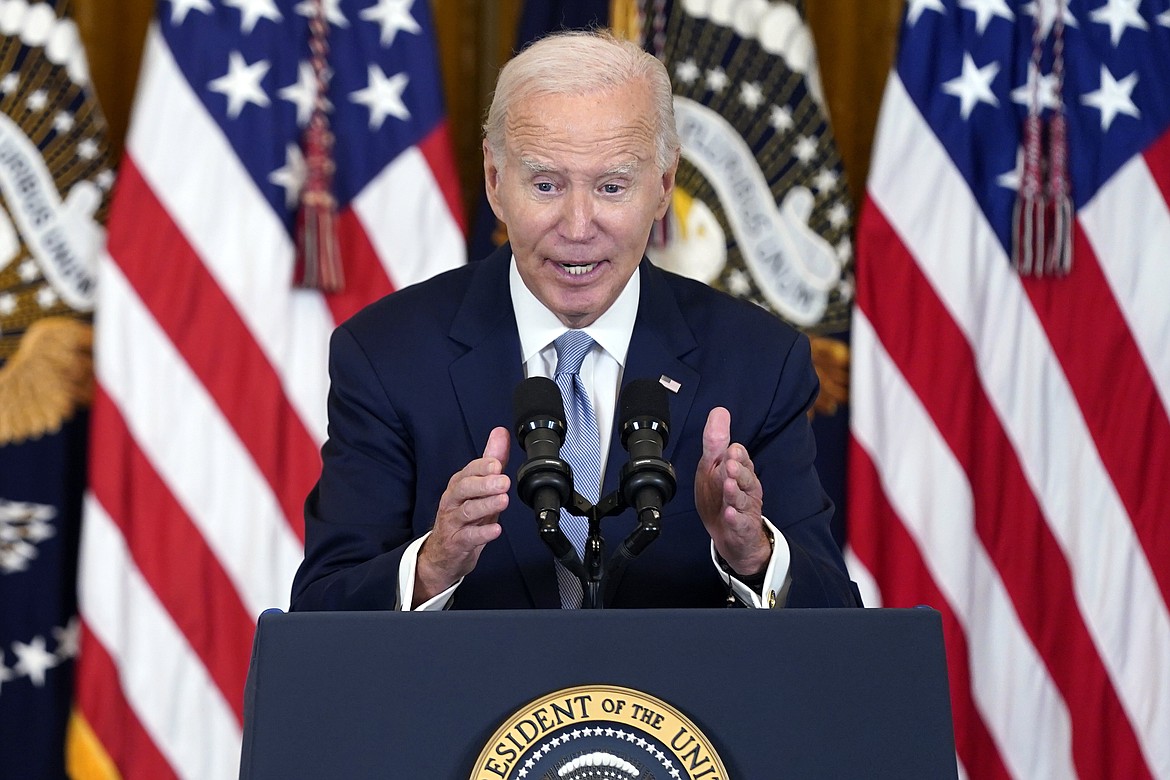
535, 167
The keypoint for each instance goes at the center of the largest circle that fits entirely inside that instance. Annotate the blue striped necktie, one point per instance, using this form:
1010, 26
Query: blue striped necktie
582, 449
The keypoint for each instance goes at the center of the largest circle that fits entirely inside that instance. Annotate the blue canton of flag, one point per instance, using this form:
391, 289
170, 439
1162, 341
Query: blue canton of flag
233, 61
966, 66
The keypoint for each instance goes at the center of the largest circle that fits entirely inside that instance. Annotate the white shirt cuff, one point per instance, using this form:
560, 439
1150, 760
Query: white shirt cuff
776, 580
406, 569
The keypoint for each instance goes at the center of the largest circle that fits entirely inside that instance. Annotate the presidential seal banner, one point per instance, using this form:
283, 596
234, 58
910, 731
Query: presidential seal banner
54, 185
760, 206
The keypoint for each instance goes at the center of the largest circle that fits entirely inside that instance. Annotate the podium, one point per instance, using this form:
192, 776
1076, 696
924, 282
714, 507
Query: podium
442, 696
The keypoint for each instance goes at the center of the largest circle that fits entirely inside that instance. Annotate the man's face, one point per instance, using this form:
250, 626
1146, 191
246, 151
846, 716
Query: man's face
579, 190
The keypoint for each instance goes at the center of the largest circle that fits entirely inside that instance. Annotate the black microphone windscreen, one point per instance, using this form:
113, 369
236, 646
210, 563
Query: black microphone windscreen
644, 398
536, 398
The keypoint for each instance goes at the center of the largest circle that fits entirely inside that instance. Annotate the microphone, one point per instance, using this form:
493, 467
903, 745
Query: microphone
647, 481
544, 482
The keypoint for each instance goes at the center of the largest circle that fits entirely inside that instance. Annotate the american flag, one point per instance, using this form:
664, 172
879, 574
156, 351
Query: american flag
211, 365
1011, 440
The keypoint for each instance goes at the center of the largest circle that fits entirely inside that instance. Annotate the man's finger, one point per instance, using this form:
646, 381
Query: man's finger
497, 446
716, 434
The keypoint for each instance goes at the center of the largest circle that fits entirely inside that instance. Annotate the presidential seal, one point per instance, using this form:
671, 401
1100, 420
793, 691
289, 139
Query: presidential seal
55, 180
598, 731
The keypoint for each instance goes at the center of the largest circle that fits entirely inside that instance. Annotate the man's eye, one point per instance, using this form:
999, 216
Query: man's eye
612, 189
544, 186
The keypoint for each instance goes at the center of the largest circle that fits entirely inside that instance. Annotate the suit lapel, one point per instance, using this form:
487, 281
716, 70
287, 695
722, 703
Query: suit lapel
484, 378
486, 326
661, 339
660, 342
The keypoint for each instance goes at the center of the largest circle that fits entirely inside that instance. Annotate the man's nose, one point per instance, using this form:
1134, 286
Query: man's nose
577, 219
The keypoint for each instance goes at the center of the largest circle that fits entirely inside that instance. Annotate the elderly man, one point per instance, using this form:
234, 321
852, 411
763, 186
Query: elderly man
416, 505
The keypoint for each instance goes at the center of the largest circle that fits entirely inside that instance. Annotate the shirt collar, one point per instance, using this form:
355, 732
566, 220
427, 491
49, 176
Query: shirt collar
539, 327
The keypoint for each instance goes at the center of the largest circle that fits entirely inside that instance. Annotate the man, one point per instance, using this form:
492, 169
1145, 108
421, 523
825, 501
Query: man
416, 506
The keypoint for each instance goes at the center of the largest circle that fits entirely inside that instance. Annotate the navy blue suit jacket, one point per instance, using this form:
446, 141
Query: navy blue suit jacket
421, 377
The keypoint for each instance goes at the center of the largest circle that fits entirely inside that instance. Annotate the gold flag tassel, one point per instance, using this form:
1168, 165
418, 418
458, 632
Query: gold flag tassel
318, 263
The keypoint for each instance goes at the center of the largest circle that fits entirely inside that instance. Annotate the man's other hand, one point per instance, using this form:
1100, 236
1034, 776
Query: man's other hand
730, 499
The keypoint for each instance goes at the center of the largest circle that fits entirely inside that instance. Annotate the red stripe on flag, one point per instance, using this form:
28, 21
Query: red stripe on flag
936, 360
1115, 392
1158, 161
99, 697
436, 150
172, 555
216, 343
365, 276
883, 544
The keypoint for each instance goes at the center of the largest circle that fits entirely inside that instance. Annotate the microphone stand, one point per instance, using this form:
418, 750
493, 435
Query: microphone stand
593, 572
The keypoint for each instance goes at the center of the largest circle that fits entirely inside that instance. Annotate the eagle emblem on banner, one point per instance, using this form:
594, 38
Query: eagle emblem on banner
54, 191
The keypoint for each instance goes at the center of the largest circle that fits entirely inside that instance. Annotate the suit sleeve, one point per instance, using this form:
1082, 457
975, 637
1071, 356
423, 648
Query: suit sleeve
783, 451
358, 518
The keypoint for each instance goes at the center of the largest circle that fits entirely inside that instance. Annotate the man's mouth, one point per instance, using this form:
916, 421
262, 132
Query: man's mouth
578, 270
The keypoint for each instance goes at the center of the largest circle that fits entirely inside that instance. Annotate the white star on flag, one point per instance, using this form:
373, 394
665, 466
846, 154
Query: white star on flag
1044, 88
973, 85
1113, 97
916, 7
1119, 14
241, 84
68, 638
33, 660
291, 176
333, 15
985, 10
1044, 12
393, 15
180, 9
383, 96
1011, 179
302, 93
252, 11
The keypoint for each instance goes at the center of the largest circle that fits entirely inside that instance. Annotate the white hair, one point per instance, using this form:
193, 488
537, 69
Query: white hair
581, 62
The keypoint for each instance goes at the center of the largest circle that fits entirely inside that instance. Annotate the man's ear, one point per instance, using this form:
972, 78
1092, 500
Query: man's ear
491, 179
668, 177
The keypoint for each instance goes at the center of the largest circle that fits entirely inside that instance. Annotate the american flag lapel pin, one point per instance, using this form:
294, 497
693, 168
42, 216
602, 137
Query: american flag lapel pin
672, 385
